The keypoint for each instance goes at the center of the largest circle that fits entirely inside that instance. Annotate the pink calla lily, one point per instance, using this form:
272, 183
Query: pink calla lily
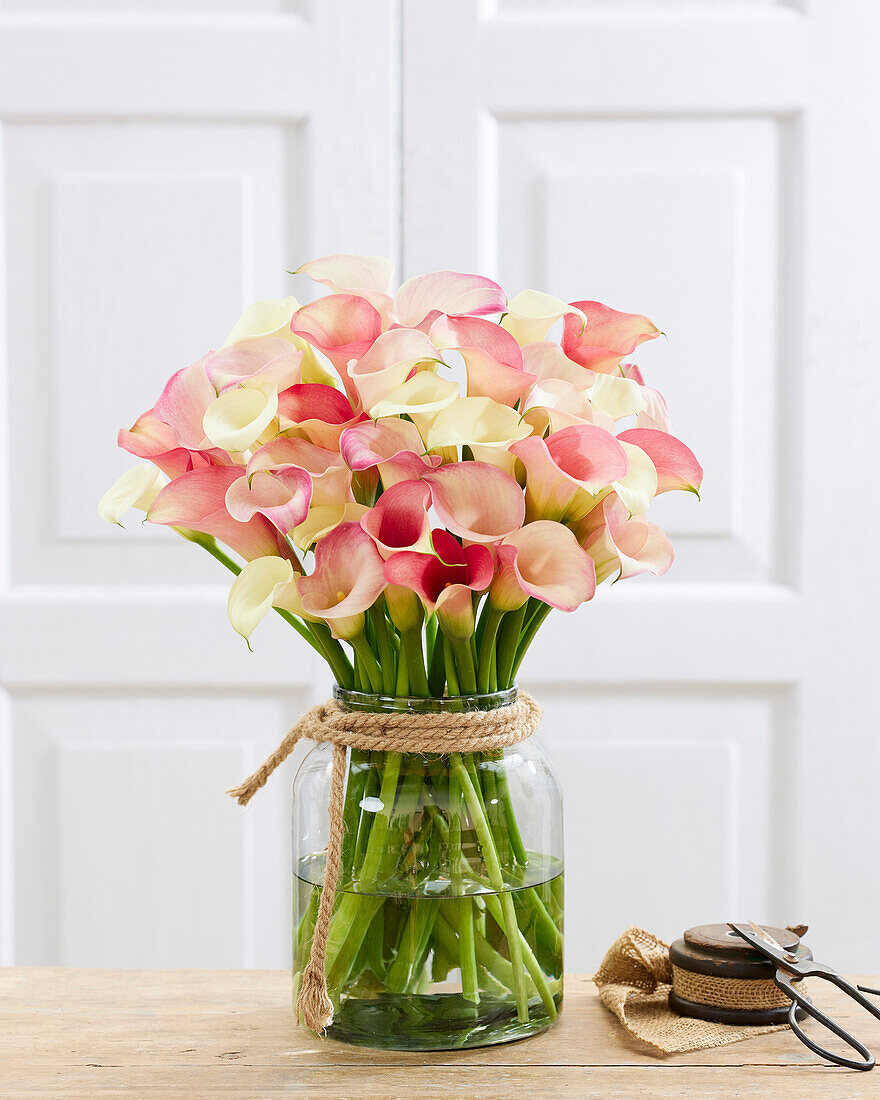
348, 578
606, 338
656, 411
445, 579
476, 501
197, 501
182, 405
350, 274
493, 359
543, 560
269, 358
622, 544
343, 327
677, 467
282, 497
151, 438
318, 413
564, 471
389, 362
391, 445
399, 520
427, 296
331, 480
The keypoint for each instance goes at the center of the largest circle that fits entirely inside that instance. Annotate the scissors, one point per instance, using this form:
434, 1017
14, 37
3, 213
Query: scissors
790, 970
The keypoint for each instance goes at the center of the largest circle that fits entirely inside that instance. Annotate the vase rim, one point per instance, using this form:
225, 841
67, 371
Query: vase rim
452, 704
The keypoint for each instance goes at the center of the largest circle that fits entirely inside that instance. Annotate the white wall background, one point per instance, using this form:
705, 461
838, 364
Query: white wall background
712, 164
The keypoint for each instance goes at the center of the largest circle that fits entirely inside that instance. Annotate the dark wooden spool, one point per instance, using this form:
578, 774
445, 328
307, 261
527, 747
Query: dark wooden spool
717, 951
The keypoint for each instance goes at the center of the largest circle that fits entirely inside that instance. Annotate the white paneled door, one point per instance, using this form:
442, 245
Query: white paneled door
704, 163
707, 163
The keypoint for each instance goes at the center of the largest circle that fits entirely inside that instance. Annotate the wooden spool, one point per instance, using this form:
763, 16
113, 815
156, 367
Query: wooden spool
713, 958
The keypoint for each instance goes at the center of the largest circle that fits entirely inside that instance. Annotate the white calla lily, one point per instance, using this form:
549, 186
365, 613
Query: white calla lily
531, 315
240, 415
272, 317
487, 427
137, 488
264, 583
422, 395
322, 518
639, 487
616, 396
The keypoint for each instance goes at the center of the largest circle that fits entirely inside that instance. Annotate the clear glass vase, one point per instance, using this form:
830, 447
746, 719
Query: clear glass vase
447, 927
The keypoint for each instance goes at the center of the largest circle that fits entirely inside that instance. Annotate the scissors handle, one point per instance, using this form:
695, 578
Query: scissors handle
800, 999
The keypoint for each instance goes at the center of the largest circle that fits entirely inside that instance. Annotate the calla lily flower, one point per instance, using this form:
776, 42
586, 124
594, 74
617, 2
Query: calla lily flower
367, 276
322, 518
239, 416
264, 583
606, 338
555, 404
391, 445
318, 413
566, 469
492, 358
531, 315
623, 544
136, 488
269, 359
419, 397
676, 465
343, 326
282, 497
616, 396
639, 487
389, 362
543, 560
399, 520
445, 580
272, 318
182, 405
427, 296
331, 480
476, 501
487, 427
347, 579
656, 411
150, 438
197, 500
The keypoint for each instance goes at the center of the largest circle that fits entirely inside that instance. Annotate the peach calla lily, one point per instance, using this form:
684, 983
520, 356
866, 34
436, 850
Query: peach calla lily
136, 488
391, 445
492, 358
427, 296
348, 578
269, 359
331, 480
607, 336
676, 465
623, 544
389, 362
399, 520
350, 274
262, 584
343, 327
151, 438
282, 497
476, 501
182, 405
531, 315
486, 426
545, 561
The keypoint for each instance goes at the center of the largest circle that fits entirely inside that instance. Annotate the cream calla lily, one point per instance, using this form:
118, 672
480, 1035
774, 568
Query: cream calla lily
321, 520
423, 395
487, 427
137, 488
264, 583
239, 416
639, 487
531, 315
616, 396
272, 317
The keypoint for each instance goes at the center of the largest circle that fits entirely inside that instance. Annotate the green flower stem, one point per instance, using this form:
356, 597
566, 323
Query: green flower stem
437, 663
464, 906
386, 650
496, 878
506, 803
401, 686
495, 905
529, 633
329, 648
368, 661
464, 664
508, 640
411, 644
487, 649
449, 665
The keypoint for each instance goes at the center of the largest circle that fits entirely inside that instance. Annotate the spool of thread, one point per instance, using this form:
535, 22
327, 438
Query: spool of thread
717, 976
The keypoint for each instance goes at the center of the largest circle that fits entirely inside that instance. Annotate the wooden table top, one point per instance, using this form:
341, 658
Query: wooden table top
203, 1033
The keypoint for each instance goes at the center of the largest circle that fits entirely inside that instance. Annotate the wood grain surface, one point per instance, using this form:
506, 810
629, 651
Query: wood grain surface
199, 1033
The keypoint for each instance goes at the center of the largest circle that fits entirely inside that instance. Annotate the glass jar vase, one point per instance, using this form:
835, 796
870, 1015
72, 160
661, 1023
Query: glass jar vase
447, 927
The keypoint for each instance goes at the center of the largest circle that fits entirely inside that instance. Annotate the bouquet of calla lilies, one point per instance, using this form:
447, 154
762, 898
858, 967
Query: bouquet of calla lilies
414, 528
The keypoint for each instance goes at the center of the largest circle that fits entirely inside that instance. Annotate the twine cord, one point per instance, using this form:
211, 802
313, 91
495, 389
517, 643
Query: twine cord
385, 731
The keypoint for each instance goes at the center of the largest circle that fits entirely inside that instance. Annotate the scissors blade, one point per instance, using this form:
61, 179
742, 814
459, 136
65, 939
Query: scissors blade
762, 941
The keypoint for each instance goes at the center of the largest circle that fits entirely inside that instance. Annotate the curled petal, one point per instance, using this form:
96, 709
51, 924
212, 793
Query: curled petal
150, 438
607, 336
269, 317
262, 584
239, 416
399, 521
197, 500
392, 445
493, 359
447, 292
616, 396
450, 566
388, 363
476, 501
348, 578
623, 544
543, 560
547, 360
677, 467
656, 411
343, 326
268, 358
422, 395
322, 518
183, 403
531, 315
320, 413
331, 481
483, 424
639, 486
350, 273
136, 488
282, 497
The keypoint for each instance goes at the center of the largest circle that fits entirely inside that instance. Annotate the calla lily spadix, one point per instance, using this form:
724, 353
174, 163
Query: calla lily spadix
400, 520
427, 296
136, 488
531, 315
239, 416
484, 425
348, 578
606, 338
545, 561
391, 445
476, 501
264, 583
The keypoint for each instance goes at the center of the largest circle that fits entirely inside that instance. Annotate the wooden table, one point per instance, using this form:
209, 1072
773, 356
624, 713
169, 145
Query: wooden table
200, 1033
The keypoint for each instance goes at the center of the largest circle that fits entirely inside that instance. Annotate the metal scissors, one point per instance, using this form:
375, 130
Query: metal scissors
790, 969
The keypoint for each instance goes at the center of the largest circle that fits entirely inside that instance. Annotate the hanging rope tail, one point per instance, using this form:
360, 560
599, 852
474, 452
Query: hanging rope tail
477, 732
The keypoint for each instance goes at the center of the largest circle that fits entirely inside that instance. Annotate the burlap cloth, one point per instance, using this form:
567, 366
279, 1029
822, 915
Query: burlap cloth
634, 982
